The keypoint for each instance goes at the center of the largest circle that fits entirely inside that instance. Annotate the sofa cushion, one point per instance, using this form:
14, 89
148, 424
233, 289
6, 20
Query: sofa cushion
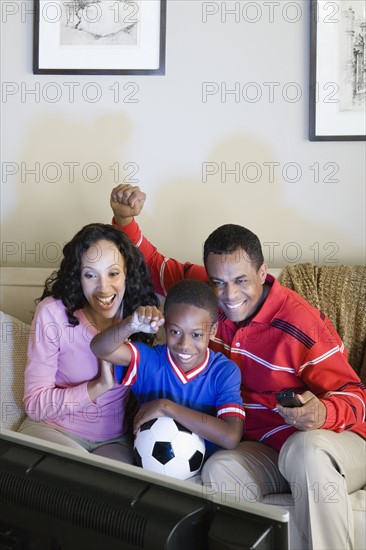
340, 292
358, 503
13, 357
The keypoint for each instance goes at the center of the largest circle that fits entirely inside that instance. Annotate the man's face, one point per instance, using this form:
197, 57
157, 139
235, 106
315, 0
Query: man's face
237, 284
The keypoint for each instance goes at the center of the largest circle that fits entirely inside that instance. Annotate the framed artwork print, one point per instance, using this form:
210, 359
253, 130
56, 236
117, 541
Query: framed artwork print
99, 37
338, 70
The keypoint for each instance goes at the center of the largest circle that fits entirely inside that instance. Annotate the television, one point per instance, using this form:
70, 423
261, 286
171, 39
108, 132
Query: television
55, 498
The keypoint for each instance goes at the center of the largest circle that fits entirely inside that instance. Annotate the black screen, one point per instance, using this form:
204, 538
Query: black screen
49, 502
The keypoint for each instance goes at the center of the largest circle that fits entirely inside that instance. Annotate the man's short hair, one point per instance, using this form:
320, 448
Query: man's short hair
230, 238
194, 293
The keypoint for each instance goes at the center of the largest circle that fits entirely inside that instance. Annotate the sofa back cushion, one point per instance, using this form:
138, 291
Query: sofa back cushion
340, 292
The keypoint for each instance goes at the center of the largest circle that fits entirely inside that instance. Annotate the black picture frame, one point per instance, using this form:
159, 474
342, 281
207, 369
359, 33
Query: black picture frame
126, 59
336, 108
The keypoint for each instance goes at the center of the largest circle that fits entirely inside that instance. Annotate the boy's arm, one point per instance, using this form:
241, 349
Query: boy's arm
110, 344
225, 432
127, 201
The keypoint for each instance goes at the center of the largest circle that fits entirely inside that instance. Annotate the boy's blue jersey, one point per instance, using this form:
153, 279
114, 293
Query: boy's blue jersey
212, 388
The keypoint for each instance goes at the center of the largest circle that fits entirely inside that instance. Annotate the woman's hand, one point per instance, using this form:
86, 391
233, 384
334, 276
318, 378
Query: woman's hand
103, 383
106, 375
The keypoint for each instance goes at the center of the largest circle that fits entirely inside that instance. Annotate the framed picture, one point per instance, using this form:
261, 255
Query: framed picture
99, 37
338, 70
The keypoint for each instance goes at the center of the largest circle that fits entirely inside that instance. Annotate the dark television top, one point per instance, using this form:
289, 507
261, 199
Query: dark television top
54, 499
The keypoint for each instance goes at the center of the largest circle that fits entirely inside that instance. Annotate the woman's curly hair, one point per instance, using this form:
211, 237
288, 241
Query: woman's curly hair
65, 284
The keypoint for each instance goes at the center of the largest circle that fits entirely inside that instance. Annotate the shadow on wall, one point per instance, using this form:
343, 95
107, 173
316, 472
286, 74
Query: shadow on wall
240, 182
61, 182
67, 172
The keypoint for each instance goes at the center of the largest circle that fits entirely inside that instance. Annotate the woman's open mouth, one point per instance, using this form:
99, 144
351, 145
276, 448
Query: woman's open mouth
106, 301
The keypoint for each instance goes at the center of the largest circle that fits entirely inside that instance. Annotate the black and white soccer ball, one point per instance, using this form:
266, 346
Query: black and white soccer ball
164, 446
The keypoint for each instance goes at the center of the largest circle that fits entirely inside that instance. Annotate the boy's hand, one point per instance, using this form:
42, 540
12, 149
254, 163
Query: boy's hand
147, 319
148, 411
126, 202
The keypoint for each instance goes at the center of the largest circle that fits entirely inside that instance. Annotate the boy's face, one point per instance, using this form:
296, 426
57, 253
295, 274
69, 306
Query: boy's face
188, 331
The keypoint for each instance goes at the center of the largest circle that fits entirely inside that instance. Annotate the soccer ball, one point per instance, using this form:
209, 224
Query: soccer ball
164, 446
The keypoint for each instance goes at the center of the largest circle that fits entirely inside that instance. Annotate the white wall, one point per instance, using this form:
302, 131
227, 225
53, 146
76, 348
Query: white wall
170, 134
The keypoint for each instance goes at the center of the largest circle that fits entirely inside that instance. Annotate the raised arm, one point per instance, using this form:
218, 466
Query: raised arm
110, 344
127, 201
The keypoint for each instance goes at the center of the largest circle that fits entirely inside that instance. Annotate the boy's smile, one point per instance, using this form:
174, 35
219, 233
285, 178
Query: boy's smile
188, 331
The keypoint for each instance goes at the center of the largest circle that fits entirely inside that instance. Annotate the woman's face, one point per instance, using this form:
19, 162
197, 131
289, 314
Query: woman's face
103, 279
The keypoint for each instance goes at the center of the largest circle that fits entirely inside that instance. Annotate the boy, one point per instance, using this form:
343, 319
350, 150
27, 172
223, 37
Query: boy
182, 379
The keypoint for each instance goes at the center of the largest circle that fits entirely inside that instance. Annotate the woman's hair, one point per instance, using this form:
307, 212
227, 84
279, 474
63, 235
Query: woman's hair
231, 238
65, 284
193, 293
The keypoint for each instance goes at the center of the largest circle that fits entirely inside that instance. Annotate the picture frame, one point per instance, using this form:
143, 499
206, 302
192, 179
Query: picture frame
99, 37
337, 71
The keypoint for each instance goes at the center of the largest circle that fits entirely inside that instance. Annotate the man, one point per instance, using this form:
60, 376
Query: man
280, 342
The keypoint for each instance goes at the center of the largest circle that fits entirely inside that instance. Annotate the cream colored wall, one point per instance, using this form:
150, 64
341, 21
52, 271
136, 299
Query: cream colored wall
166, 130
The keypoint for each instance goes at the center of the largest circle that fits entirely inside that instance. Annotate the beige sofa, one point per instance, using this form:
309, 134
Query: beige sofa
340, 291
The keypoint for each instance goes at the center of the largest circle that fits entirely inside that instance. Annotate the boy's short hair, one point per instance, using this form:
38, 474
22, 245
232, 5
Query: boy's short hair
194, 293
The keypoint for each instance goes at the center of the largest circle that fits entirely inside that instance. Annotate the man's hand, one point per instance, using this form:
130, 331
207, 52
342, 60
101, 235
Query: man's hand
147, 319
310, 416
126, 202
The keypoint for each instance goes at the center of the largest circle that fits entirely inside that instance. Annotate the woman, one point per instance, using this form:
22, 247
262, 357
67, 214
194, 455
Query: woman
70, 397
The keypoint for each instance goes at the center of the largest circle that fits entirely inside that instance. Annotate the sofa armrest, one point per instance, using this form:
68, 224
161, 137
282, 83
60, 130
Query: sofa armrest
13, 357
